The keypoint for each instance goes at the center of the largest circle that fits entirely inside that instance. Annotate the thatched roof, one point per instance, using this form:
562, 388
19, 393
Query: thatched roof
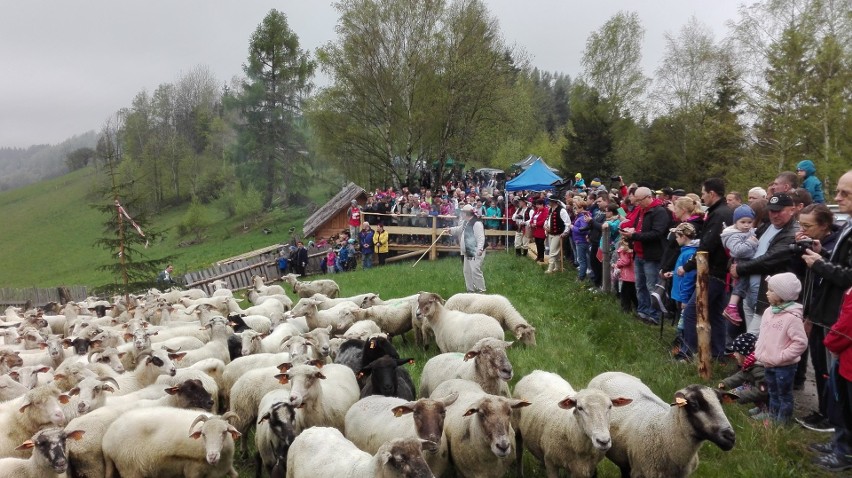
340, 202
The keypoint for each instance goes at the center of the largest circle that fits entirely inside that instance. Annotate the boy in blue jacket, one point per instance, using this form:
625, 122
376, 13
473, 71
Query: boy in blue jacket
807, 171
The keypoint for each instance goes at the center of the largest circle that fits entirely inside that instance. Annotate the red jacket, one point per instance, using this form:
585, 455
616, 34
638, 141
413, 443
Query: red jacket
537, 223
838, 344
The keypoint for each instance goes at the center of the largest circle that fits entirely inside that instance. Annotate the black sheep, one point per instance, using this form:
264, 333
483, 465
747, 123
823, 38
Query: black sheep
388, 378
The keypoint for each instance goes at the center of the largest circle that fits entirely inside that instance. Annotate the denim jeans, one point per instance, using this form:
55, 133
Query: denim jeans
839, 411
647, 274
582, 259
367, 261
779, 384
716, 300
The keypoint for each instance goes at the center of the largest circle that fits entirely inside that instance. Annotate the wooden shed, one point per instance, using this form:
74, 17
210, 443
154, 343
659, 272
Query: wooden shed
331, 218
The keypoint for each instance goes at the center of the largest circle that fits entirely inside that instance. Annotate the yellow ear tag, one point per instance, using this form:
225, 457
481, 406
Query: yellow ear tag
680, 402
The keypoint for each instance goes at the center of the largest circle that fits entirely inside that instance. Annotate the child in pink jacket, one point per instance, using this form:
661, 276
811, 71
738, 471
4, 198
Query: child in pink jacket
627, 276
781, 343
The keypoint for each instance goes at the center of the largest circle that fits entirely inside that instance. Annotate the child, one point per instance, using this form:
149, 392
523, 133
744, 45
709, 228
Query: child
624, 264
330, 261
683, 283
780, 344
807, 172
741, 243
748, 383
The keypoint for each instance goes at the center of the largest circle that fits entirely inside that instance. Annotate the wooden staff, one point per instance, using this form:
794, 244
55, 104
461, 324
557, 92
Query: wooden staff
429, 248
703, 320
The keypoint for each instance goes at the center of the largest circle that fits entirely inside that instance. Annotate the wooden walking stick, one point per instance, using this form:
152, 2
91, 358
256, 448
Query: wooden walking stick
429, 248
561, 254
702, 307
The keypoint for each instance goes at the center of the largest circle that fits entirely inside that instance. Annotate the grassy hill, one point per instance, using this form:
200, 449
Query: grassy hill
580, 335
49, 230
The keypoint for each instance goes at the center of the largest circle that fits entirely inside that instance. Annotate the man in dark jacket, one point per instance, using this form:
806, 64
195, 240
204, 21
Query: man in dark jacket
718, 216
836, 274
300, 259
773, 256
648, 234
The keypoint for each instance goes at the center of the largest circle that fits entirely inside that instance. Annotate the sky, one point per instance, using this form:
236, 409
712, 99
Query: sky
67, 65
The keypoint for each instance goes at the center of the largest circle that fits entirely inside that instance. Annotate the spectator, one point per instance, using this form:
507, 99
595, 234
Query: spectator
710, 241
365, 239
839, 343
539, 216
772, 257
749, 382
579, 182
734, 200
164, 278
598, 218
354, 215
780, 344
785, 182
816, 222
835, 273
683, 282
380, 241
300, 259
756, 193
580, 235
648, 234
740, 241
522, 232
626, 276
557, 225
807, 173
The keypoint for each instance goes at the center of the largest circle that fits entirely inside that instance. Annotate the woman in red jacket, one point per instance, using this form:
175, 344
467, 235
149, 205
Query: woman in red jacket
539, 216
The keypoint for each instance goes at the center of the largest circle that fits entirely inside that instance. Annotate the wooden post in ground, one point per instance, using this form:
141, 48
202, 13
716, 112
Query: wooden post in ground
433, 252
702, 308
606, 284
561, 254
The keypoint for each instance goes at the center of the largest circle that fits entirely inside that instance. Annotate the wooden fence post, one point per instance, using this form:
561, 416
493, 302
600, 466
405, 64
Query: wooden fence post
606, 285
703, 320
433, 252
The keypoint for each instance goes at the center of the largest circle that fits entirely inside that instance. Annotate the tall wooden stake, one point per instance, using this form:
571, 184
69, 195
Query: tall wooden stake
703, 319
606, 283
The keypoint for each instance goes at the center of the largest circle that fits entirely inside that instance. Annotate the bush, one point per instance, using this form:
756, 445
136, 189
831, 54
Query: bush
195, 221
243, 202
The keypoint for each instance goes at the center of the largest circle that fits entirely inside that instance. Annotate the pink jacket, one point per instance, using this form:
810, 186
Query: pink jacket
625, 265
782, 337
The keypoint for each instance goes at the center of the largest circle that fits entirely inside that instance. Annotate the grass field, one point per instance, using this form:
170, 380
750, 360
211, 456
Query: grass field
580, 335
49, 230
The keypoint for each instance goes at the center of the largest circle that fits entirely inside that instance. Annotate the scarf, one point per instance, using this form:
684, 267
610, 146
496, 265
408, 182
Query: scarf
777, 309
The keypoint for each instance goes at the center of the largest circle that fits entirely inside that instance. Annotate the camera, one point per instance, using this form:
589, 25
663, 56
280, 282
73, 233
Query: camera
800, 246
615, 178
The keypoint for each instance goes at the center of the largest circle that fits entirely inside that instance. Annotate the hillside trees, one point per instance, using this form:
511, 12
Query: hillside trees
79, 158
414, 83
272, 142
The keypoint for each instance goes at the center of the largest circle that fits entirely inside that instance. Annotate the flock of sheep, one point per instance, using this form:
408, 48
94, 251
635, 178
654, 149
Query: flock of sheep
166, 385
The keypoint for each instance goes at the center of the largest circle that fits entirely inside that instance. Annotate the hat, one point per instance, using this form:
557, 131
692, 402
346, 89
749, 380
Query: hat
658, 191
686, 229
521, 198
785, 285
744, 343
354, 202
743, 211
667, 191
578, 176
678, 192
595, 182
779, 201
468, 208
351, 241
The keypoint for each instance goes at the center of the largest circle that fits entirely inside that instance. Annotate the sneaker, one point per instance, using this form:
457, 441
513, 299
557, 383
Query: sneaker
762, 416
833, 462
659, 297
732, 314
825, 448
816, 422
754, 411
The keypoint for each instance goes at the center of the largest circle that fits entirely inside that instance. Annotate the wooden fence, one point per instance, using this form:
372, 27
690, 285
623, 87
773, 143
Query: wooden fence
40, 297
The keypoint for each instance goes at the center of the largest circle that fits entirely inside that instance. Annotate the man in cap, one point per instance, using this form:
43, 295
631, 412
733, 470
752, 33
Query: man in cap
471, 236
557, 225
773, 256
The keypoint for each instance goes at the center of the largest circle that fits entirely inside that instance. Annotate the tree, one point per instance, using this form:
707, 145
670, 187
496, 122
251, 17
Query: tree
590, 133
611, 62
132, 270
278, 76
79, 158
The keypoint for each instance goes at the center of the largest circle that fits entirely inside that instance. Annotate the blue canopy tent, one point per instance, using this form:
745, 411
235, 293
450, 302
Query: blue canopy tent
537, 177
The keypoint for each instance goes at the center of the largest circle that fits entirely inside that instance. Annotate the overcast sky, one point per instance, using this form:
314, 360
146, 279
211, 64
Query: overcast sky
69, 64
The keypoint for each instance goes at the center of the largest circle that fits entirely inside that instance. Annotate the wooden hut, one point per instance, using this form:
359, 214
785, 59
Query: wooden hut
331, 218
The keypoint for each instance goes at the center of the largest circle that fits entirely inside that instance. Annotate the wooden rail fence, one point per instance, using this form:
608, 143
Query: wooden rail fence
41, 296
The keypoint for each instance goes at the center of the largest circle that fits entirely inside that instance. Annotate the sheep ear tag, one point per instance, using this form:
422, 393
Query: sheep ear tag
25, 445
680, 402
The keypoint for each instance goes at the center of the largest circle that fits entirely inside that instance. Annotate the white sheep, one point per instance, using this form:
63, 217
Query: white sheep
22, 417
272, 309
393, 319
10, 389
322, 397
563, 428
216, 348
261, 288
368, 425
655, 439
272, 342
361, 330
497, 306
151, 365
486, 364
88, 395
48, 459
174, 445
209, 372
256, 299
220, 289
479, 430
323, 451
326, 287
327, 302
456, 331
335, 316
